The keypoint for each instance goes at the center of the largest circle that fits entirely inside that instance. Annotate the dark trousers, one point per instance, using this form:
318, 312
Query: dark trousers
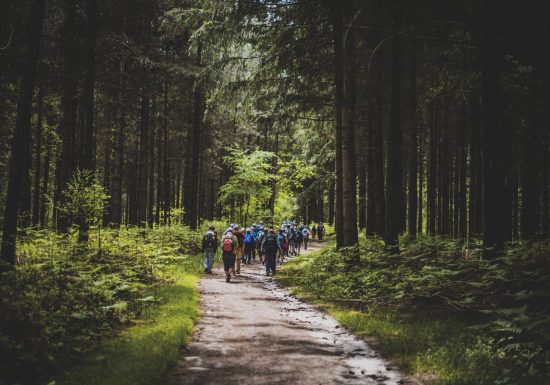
248, 249
270, 263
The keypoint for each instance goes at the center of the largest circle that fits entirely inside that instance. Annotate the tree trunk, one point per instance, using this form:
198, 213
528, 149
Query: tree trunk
474, 209
151, 161
22, 133
349, 177
143, 161
420, 217
462, 167
331, 202
370, 199
497, 214
46, 184
166, 165
118, 166
38, 148
394, 177
87, 160
337, 16
432, 171
412, 204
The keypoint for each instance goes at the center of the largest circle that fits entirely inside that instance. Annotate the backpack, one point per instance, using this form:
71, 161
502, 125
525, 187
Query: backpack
306, 232
227, 245
299, 237
281, 239
270, 243
209, 240
249, 239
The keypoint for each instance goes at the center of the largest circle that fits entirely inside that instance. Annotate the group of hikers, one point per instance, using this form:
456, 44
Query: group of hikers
241, 245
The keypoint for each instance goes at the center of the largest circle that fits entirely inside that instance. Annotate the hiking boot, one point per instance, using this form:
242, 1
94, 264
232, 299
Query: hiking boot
228, 278
206, 270
267, 274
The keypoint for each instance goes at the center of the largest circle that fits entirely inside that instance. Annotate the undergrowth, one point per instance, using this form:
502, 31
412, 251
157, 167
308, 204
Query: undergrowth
65, 297
439, 309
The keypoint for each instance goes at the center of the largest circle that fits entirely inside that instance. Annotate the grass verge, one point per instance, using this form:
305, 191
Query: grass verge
437, 346
141, 354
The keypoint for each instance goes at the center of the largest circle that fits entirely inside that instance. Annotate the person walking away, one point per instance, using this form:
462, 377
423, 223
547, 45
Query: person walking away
281, 242
229, 245
306, 234
298, 240
270, 248
292, 238
249, 244
320, 231
209, 248
260, 239
313, 232
239, 249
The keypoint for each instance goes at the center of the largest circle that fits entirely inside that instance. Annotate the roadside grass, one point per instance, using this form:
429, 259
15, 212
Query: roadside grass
141, 354
436, 346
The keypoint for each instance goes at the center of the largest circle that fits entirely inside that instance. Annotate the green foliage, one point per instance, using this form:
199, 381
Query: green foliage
67, 297
85, 198
141, 354
500, 307
248, 187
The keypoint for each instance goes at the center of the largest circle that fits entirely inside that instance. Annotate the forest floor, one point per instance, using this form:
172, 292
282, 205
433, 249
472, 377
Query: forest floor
253, 331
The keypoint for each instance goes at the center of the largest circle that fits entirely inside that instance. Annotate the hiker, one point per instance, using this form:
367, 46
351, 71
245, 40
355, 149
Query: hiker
298, 241
249, 245
306, 234
260, 239
229, 245
282, 241
320, 231
270, 248
313, 232
209, 247
237, 233
229, 229
291, 238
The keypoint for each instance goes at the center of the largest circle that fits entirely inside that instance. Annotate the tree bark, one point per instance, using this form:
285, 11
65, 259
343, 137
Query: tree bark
394, 176
337, 15
22, 133
349, 177
432, 171
118, 166
38, 148
412, 204
143, 161
497, 206
87, 152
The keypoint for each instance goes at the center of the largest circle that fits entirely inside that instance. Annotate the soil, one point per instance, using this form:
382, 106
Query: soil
252, 331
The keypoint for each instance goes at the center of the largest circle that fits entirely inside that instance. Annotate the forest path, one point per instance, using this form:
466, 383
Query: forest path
252, 331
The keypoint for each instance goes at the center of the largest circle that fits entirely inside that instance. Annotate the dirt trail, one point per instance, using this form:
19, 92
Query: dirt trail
254, 332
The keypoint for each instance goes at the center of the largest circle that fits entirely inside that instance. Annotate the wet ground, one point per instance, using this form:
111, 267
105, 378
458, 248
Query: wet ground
254, 332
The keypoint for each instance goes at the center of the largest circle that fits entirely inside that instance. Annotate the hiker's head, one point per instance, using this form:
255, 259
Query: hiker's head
271, 231
211, 227
229, 234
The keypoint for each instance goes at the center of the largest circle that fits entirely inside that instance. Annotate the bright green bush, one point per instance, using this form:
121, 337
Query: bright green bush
66, 296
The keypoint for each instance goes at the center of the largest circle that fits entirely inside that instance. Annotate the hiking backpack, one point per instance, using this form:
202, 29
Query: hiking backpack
270, 243
249, 239
210, 240
281, 239
227, 245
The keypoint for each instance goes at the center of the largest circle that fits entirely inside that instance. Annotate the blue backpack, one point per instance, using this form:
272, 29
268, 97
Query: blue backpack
249, 239
281, 239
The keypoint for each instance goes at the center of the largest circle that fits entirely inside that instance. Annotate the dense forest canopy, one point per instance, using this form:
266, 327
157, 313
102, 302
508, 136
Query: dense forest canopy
390, 120
402, 117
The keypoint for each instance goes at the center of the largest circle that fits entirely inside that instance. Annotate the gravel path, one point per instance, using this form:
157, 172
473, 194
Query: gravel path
254, 332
